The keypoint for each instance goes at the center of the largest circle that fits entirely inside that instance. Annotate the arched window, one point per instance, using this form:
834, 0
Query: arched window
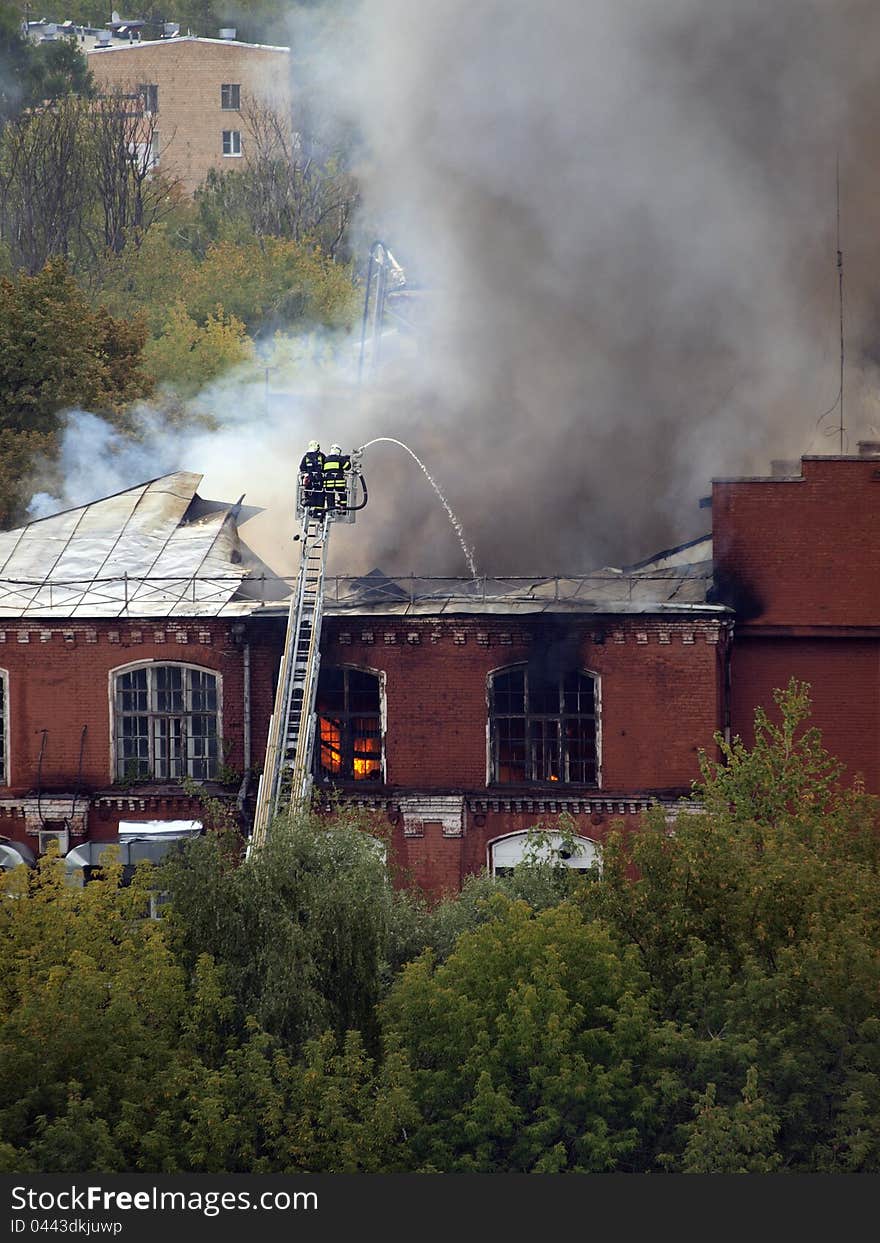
166, 722
505, 853
349, 710
543, 728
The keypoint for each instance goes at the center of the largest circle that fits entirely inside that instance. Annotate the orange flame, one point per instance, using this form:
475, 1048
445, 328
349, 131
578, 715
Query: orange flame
331, 748
366, 763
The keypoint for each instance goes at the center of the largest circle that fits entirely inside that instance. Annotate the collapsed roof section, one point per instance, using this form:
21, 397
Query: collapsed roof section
155, 550
676, 580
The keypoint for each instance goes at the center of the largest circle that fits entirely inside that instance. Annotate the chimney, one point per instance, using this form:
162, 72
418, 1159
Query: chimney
227, 32
104, 37
784, 468
869, 448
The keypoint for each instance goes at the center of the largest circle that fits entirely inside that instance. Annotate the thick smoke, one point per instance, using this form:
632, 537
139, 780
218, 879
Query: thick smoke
623, 219
627, 214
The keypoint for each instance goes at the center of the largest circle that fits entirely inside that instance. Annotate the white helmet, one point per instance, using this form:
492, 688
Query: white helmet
313, 446
336, 448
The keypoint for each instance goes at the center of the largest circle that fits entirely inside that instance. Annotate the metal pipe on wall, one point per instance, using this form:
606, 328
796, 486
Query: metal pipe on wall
246, 704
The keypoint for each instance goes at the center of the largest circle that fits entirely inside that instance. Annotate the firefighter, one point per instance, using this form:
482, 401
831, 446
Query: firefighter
336, 467
311, 478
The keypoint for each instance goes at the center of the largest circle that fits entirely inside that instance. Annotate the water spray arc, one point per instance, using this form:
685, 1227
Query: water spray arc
456, 525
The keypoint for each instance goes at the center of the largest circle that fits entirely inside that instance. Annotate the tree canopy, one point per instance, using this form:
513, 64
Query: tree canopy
706, 1003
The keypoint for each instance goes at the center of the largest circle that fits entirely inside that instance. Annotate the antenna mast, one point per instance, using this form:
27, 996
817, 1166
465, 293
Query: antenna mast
840, 300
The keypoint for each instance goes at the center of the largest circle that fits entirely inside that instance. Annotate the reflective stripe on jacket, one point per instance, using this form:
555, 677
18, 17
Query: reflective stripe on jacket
335, 468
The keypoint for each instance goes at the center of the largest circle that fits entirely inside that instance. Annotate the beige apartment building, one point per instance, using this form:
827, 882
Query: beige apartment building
195, 88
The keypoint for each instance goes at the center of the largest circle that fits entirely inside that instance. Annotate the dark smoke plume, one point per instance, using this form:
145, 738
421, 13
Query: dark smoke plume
625, 214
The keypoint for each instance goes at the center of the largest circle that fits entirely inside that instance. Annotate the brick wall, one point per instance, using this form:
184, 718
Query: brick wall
436, 860
802, 552
844, 677
660, 695
58, 680
189, 74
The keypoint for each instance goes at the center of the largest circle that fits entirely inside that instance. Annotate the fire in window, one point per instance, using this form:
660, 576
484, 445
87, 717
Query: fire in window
231, 142
230, 96
349, 725
166, 724
543, 727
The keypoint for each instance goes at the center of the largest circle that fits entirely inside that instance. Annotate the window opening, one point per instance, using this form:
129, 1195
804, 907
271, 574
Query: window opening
230, 96
349, 726
543, 727
166, 723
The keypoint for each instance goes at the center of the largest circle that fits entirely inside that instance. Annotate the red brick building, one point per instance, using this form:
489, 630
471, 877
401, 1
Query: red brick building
140, 640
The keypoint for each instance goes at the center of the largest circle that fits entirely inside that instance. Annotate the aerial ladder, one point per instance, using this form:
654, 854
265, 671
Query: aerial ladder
286, 780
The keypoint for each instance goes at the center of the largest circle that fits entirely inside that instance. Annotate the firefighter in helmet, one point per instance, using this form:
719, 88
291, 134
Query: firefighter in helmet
311, 478
336, 468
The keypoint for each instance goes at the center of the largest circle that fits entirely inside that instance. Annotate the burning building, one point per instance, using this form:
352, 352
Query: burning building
140, 641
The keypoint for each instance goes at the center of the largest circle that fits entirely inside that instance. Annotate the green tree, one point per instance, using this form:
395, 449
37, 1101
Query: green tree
758, 923
90, 1011
31, 74
57, 69
532, 1046
299, 933
738, 1139
57, 353
187, 356
271, 283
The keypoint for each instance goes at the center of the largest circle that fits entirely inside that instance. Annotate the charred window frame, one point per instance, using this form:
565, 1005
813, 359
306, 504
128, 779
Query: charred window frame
230, 96
349, 725
543, 729
167, 720
232, 142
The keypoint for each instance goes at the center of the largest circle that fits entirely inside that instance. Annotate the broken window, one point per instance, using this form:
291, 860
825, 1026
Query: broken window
349, 714
543, 727
167, 723
231, 142
230, 96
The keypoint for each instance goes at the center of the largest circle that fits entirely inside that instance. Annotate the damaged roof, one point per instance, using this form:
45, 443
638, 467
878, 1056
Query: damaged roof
157, 549
161, 550
676, 580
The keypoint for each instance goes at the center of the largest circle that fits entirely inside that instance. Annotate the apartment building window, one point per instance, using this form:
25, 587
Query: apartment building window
149, 93
349, 710
231, 142
166, 722
543, 727
230, 96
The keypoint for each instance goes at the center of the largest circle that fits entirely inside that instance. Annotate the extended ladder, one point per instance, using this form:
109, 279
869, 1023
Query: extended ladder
287, 773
